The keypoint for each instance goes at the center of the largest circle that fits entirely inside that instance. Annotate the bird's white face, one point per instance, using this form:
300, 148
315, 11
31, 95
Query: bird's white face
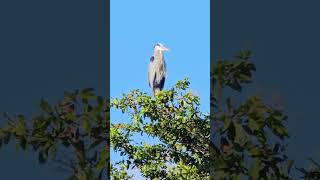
160, 47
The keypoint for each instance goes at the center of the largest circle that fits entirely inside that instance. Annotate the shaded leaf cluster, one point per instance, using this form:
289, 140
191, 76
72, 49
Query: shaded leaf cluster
73, 133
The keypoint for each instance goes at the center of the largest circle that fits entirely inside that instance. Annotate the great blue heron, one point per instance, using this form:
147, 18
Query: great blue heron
157, 68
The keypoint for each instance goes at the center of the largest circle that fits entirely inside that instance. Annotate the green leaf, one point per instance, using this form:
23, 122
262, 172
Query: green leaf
254, 169
241, 136
87, 94
254, 151
44, 105
253, 125
237, 177
289, 165
86, 125
20, 126
71, 96
53, 150
102, 160
244, 78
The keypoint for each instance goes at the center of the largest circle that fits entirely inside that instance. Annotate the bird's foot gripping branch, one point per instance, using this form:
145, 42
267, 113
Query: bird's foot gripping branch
173, 118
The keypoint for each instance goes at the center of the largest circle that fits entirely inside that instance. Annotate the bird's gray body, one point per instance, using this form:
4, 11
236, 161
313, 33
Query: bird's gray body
157, 69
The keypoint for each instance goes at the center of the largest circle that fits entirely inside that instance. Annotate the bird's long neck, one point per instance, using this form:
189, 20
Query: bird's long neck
158, 55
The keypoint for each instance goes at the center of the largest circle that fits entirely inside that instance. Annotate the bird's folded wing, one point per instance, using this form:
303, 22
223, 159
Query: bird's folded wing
151, 73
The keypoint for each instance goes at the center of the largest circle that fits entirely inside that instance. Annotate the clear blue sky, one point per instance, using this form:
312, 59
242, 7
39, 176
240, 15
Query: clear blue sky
136, 26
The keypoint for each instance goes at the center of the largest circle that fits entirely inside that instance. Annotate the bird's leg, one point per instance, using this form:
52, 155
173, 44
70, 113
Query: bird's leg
155, 92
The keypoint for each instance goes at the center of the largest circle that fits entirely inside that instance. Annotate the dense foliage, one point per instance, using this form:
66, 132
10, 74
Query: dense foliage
244, 140
174, 119
248, 139
72, 133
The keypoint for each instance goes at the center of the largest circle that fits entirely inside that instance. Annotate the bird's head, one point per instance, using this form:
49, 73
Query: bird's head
160, 47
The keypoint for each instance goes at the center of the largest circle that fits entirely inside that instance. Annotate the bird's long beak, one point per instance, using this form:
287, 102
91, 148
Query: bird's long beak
166, 49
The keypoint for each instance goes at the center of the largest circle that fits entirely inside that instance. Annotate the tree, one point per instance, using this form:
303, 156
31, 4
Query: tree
247, 140
236, 141
73, 133
174, 118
